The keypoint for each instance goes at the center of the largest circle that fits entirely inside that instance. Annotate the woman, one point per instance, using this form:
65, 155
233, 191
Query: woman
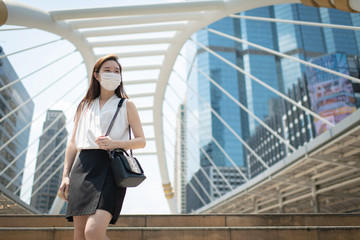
94, 200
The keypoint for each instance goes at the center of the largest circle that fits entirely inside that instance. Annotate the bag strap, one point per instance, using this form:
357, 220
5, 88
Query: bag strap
113, 120
115, 115
131, 154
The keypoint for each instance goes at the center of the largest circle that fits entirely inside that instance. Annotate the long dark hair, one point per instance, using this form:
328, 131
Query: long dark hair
94, 87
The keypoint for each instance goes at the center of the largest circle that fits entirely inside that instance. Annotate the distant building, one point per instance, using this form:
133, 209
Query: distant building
308, 42
268, 147
332, 95
51, 155
210, 126
302, 42
180, 160
15, 128
198, 195
298, 126
197, 191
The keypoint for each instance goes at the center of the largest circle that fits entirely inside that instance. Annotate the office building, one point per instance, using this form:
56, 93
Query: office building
197, 190
332, 96
268, 147
51, 155
211, 128
209, 183
307, 42
303, 42
180, 170
328, 95
16, 112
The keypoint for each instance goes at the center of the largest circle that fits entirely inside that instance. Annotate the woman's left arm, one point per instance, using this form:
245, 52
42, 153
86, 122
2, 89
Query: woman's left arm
135, 123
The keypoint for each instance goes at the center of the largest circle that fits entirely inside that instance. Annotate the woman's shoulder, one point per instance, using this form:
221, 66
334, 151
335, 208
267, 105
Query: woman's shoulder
130, 103
115, 99
127, 101
130, 107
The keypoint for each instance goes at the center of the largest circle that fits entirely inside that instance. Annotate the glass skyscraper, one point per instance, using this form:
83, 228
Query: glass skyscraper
306, 42
51, 155
180, 160
13, 150
212, 131
260, 64
303, 42
252, 95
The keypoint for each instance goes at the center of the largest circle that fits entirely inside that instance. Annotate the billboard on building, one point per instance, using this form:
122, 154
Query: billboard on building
332, 96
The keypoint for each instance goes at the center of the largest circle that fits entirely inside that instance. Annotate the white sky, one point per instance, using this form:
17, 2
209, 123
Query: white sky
148, 198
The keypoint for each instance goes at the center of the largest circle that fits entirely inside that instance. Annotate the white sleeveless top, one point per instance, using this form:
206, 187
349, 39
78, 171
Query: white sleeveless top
94, 122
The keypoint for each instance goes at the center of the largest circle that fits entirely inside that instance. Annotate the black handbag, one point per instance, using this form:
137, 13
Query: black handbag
126, 169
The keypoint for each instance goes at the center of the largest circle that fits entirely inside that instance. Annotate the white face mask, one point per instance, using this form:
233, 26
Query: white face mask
110, 81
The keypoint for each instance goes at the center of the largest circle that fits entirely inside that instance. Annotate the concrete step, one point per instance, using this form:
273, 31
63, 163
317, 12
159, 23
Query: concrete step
191, 220
193, 233
193, 227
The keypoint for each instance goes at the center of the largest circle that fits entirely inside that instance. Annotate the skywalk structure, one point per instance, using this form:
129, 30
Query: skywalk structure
321, 176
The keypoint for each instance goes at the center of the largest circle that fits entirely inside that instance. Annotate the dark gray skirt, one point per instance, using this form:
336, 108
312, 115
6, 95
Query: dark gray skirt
92, 186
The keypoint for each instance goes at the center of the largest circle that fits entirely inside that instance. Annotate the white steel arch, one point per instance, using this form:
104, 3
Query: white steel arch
181, 18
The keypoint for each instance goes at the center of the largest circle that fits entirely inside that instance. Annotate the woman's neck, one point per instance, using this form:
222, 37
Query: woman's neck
105, 95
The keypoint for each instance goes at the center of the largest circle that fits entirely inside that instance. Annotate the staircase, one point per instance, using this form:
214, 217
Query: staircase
191, 227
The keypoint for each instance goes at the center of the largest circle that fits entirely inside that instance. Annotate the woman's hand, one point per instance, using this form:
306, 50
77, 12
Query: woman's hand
64, 188
105, 143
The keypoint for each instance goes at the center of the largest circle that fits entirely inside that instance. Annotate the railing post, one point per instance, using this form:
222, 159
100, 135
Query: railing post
280, 199
315, 199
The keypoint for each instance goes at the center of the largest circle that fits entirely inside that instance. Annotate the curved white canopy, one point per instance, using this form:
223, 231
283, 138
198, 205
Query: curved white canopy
176, 20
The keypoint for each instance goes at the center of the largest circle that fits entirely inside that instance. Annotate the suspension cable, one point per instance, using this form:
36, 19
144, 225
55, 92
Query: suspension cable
26, 49
29, 124
53, 161
229, 158
39, 69
36, 95
196, 178
192, 155
175, 93
208, 157
40, 115
218, 145
285, 55
192, 186
42, 163
286, 142
52, 174
264, 84
14, 29
226, 125
188, 76
40, 150
296, 22
201, 169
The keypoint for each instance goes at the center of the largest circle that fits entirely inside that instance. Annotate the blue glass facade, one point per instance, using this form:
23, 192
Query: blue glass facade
10, 99
339, 40
306, 42
211, 126
303, 42
251, 94
54, 131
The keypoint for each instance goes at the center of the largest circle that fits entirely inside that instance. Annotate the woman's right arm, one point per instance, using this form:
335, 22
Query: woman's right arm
70, 155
